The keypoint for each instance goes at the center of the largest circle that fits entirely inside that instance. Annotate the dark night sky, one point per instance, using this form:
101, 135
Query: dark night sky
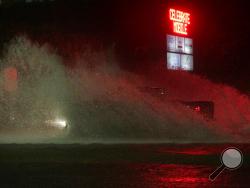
220, 29
223, 41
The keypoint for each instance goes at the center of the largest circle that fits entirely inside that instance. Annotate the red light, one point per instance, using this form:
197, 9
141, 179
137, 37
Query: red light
197, 108
181, 20
10, 79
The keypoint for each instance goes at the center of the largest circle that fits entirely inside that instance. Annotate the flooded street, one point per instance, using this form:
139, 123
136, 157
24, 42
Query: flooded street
118, 166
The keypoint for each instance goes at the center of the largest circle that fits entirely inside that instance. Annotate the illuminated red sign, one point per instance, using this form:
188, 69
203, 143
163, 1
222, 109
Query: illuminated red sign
181, 20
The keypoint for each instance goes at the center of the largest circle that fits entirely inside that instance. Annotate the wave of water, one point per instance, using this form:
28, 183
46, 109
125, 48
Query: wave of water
103, 103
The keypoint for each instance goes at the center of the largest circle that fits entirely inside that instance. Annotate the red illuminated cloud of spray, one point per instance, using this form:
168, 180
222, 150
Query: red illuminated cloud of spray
111, 97
232, 112
232, 108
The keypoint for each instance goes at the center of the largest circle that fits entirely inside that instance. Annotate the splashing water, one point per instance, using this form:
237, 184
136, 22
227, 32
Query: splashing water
102, 103
40, 93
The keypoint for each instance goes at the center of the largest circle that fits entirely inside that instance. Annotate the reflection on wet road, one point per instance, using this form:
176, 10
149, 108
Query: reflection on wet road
137, 166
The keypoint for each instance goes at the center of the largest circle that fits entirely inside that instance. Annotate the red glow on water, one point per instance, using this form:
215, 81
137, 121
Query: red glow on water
173, 175
194, 150
189, 152
184, 180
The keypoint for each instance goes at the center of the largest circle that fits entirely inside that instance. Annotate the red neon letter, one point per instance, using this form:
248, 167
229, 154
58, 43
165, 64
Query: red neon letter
181, 20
